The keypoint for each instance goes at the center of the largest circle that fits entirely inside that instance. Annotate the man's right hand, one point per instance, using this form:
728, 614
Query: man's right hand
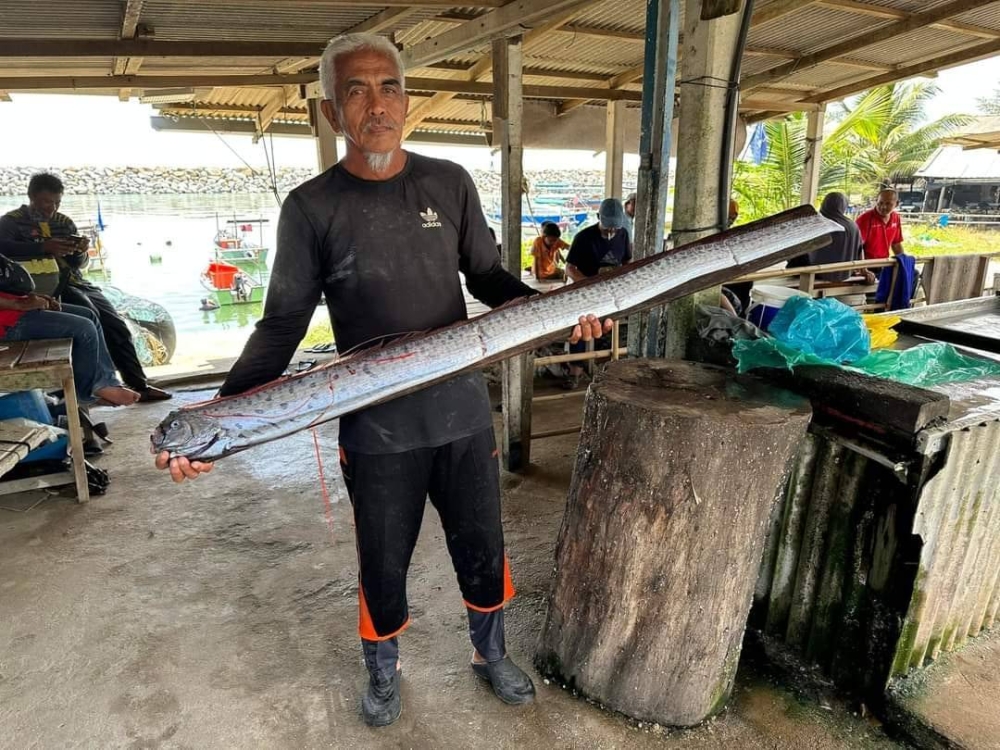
59, 246
181, 468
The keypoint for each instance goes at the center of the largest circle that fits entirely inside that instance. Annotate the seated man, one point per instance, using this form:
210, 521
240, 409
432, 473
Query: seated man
547, 250
40, 220
25, 317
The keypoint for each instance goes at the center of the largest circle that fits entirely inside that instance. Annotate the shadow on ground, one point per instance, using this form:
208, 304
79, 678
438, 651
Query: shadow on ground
222, 613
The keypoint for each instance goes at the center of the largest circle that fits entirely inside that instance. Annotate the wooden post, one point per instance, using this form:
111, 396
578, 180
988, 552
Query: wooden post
814, 154
508, 109
660, 70
614, 150
660, 546
326, 138
709, 47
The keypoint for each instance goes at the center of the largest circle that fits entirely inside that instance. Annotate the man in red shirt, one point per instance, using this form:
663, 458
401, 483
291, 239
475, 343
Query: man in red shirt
881, 229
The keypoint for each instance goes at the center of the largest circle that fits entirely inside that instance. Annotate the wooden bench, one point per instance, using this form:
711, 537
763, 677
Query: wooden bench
47, 363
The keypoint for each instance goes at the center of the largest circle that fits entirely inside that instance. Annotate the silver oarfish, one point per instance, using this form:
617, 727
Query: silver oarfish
224, 426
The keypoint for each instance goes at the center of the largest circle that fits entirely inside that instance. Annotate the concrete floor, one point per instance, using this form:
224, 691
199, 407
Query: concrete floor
954, 702
223, 614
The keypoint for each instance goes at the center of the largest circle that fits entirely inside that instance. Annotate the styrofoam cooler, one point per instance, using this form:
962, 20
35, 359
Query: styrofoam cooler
765, 301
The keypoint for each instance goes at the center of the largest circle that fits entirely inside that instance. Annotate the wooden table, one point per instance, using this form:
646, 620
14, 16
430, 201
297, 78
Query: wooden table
48, 363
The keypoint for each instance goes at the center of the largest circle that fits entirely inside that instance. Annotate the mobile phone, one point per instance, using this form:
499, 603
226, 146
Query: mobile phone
76, 239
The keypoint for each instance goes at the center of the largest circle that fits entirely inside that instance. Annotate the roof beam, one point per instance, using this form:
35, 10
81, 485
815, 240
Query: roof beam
382, 20
266, 115
129, 30
412, 84
948, 60
878, 11
914, 22
145, 47
484, 66
512, 19
776, 10
130, 18
139, 82
575, 28
617, 82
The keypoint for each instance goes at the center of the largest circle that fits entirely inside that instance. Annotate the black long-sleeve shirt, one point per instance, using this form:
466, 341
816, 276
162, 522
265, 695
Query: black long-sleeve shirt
387, 255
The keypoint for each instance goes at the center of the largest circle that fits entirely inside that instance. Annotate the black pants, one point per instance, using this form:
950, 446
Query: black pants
389, 492
116, 333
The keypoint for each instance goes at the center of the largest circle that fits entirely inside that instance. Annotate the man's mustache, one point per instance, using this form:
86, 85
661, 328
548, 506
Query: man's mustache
380, 122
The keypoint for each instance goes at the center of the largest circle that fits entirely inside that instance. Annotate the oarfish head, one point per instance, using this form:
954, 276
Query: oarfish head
188, 434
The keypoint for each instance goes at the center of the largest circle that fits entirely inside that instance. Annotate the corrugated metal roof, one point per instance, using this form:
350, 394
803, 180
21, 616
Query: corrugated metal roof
229, 19
810, 28
955, 163
84, 19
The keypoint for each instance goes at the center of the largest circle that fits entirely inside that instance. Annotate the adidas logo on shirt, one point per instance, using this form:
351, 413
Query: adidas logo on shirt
430, 218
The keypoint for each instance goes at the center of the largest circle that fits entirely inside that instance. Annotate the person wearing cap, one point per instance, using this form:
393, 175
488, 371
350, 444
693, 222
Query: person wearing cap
547, 250
630, 214
596, 249
600, 247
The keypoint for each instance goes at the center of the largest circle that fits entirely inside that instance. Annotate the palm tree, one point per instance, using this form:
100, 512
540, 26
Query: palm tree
876, 139
883, 133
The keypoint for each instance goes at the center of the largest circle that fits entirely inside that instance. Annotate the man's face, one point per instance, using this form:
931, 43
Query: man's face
549, 241
886, 204
607, 233
45, 203
371, 105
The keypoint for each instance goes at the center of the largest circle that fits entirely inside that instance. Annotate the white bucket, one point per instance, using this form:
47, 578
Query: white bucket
765, 301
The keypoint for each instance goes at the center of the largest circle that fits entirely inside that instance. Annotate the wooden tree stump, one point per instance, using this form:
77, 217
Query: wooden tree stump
676, 472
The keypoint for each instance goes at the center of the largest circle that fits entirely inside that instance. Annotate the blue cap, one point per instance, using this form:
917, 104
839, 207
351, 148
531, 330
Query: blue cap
611, 213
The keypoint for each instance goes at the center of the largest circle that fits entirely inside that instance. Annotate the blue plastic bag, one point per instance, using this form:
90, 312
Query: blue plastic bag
825, 328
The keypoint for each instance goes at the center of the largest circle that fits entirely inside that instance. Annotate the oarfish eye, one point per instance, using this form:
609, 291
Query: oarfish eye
175, 424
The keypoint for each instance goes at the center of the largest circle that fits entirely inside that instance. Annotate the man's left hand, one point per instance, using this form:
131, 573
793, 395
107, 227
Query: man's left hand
590, 328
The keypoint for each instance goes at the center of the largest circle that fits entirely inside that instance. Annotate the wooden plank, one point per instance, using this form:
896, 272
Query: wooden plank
505, 21
905, 409
382, 20
130, 18
16, 442
44, 353
75, 439
776, 10
11, 354
899, 28
144, 47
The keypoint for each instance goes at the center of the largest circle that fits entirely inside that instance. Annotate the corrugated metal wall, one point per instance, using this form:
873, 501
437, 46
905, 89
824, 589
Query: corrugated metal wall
879, 559
957, 592
839, 561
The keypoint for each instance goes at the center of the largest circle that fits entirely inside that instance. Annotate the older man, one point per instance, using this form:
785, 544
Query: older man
880, 227
384, 234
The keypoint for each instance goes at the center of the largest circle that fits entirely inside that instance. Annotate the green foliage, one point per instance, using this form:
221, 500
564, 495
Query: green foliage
989, 105
321, 333
878, 138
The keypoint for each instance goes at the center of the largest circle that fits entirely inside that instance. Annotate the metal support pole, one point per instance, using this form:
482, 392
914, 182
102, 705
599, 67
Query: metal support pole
614, 150
660, 71
508, 108
814, 156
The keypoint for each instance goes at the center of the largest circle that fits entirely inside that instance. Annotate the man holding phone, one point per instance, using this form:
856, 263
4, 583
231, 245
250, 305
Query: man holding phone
54, 255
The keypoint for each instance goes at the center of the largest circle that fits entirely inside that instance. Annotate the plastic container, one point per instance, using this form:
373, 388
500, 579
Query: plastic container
765, 301
221, 274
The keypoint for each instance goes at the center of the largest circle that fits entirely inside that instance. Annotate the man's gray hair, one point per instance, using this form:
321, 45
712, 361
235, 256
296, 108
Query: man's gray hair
345, 44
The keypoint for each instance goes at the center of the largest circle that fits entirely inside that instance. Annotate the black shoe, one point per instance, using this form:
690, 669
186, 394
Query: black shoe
381, 705
510, 684
91, 447
152, 393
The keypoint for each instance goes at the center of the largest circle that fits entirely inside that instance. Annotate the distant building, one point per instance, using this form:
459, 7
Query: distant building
963, 175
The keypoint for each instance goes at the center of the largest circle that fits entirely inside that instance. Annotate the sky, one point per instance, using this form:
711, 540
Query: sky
72, 131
